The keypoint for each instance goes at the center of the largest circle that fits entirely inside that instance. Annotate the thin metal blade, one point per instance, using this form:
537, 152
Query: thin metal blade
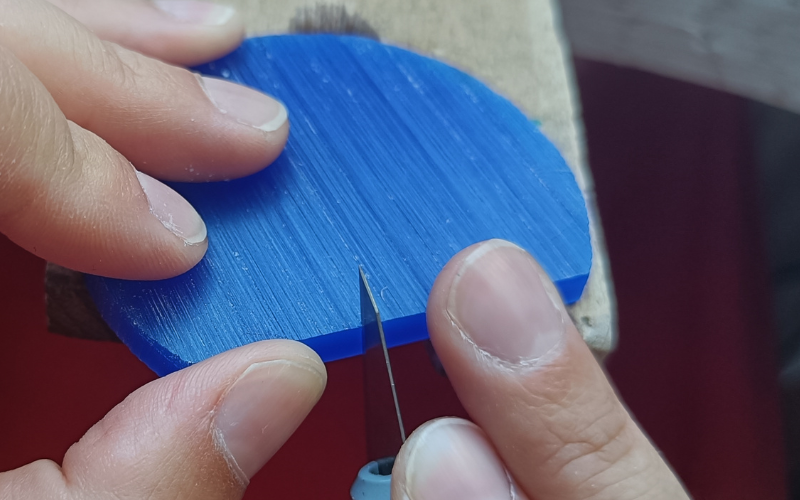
385, 431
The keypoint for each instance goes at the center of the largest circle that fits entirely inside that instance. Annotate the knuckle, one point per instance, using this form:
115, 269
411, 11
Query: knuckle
601, 457
136, 87
136, 74
123, 66
592, 438
32, 145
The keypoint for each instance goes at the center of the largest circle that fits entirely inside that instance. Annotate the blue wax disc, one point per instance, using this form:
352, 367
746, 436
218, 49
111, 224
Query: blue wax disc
395, 162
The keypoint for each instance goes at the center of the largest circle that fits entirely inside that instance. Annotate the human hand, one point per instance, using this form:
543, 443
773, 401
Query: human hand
79, 113
199, 433
548, 425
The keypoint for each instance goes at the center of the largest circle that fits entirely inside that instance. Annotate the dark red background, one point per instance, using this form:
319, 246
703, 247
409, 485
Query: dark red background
695, 362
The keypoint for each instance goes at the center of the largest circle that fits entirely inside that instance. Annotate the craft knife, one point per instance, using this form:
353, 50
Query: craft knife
384, 422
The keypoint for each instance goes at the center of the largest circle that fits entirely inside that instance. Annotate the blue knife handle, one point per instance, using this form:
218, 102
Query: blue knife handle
374, 481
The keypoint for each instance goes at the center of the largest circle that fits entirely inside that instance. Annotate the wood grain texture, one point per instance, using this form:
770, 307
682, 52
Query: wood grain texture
70, 309
395, 162
747, 47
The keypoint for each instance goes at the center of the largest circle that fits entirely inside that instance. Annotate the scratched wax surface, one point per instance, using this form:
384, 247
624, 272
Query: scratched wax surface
394, 162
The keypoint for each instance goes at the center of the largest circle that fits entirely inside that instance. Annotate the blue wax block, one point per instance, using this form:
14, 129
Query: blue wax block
394, 162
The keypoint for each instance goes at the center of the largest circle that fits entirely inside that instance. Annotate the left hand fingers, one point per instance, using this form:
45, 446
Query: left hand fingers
168, 122
183, 32
200, 433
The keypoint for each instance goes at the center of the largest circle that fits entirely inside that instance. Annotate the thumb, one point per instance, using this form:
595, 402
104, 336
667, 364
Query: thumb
549, 424
200, 433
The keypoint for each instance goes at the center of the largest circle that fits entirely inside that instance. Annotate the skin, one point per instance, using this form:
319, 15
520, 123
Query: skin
81, 114
547, 425
95, 108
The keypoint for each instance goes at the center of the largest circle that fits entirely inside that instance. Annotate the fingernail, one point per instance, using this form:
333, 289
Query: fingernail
503, 303
452, 460
192, 12
263, 408
174, 212
246, 105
